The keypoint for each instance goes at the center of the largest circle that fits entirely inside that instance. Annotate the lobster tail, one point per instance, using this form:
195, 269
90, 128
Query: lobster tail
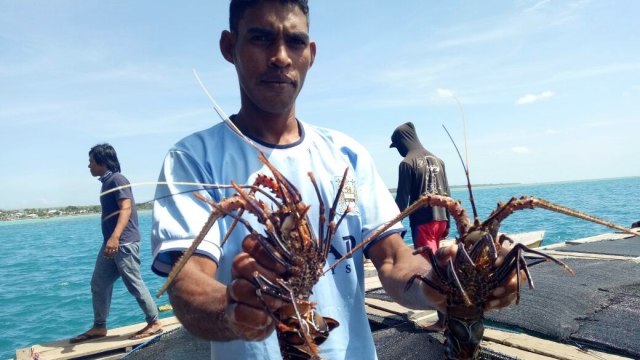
299, 341
463, 332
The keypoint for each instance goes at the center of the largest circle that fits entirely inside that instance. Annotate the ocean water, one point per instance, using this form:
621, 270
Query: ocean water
47, 264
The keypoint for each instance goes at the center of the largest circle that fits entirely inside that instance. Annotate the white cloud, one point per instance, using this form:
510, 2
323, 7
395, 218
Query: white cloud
444, 93
520, 150
531, 98
597, 124
537, 5
551, 132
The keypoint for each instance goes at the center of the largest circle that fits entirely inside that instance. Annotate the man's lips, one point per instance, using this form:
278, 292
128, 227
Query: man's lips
277, 80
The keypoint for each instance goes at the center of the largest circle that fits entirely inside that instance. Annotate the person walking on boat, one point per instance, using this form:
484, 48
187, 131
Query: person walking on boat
119, 254
421, 173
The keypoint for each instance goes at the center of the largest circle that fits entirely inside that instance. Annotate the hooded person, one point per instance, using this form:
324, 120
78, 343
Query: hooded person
421, 173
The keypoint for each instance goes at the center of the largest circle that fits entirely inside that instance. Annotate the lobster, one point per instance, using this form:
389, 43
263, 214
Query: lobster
468, 279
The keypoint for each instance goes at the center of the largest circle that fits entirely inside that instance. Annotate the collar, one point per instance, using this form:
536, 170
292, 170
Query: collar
274, 146
104, 176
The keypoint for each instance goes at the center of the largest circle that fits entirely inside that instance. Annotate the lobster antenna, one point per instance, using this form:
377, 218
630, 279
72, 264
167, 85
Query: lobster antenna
466, 172
464, 129
224, 116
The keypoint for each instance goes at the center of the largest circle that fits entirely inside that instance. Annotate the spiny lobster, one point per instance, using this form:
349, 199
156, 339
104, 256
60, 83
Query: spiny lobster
469, 278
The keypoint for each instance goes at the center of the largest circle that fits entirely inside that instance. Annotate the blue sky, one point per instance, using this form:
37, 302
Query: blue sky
550, 89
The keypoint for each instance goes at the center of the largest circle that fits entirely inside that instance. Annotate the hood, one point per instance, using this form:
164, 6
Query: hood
405, 139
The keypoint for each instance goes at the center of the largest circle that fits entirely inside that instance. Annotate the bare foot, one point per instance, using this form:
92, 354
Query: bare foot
154, 328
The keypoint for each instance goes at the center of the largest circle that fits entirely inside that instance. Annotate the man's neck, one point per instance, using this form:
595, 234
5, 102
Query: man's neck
276, 129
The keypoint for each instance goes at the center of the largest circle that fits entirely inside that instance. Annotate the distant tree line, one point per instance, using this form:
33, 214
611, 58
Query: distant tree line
44, 213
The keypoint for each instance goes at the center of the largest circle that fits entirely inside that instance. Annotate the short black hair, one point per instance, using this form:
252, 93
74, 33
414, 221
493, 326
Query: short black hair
237, 8
105, 154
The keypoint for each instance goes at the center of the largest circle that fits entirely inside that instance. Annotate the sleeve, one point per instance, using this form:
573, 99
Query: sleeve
124, 191
178, 216
447, 189
403, 191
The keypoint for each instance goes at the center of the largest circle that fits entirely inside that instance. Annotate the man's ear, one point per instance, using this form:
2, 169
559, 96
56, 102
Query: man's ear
312, 47
227, 43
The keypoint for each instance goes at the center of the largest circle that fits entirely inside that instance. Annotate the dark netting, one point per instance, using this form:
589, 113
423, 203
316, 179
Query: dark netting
615, 320
406, 342
177, 344
622, 247
598, 307
379, 294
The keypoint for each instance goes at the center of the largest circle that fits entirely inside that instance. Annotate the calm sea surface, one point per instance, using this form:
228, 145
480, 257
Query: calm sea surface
47, 264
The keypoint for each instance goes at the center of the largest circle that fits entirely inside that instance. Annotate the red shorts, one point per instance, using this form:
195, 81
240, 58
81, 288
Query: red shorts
429, 235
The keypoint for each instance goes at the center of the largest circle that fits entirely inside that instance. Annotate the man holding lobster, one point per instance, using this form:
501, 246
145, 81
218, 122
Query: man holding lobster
216, 295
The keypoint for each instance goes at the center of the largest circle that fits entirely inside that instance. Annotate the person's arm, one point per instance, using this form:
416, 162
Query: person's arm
111, 247
199, 301
396, 264
210, 310
403, 191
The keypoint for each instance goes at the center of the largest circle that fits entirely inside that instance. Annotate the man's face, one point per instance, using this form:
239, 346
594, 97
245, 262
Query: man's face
95, 168
272, 53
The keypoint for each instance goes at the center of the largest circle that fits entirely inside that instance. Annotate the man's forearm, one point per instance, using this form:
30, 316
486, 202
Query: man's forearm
199, 302
123, 219
397, 268
395, 282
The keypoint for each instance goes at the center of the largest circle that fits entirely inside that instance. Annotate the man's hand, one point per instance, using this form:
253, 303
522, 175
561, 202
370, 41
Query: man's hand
506, 294
250, 310
111, 247
397, 265
500, 297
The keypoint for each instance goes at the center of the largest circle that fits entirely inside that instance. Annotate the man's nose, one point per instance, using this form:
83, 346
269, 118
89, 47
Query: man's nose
280, 56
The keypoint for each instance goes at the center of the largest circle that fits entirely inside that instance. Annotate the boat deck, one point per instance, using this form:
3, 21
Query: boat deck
113, 346
397, 331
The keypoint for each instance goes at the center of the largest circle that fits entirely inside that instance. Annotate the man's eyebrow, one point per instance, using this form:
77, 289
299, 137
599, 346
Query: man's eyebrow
302, 35
260, 31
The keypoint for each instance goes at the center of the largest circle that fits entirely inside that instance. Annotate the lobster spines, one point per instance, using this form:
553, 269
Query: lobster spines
289, 193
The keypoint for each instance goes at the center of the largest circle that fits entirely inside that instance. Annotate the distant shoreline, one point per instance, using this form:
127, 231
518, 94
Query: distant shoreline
58, 212
393, 190
47, 213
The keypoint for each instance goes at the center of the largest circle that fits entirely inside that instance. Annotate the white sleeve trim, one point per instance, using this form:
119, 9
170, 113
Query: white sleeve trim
161, 256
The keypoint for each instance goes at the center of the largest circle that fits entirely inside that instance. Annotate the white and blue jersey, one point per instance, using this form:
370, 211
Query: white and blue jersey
218, 156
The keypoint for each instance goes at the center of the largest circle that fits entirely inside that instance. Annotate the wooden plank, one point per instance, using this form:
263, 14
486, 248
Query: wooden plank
581, 255
382, 313
513, 352
531, 239
388, 306
422, 318
543, 347
117, 340
601, 237
372, 283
